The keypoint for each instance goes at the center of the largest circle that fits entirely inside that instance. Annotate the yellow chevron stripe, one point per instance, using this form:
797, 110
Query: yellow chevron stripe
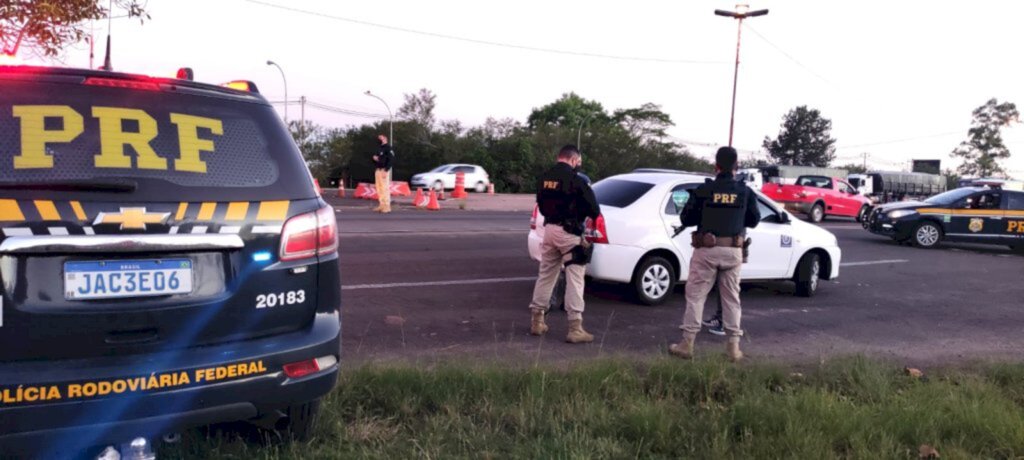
273, 210
10, 211
79, 212
182, 208
206, 211
47, 210
237, 210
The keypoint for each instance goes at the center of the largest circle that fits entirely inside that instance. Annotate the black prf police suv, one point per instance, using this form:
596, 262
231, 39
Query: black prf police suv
166, 262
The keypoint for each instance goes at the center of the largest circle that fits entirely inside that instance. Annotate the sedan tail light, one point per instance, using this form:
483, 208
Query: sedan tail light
596, 231
308, 235
533, 219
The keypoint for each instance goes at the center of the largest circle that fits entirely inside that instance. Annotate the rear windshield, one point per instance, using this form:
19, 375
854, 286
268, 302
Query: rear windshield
619, 193
174, 146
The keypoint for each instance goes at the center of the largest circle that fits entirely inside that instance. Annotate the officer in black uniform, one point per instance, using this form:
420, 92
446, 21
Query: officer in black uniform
566, 201
722, 210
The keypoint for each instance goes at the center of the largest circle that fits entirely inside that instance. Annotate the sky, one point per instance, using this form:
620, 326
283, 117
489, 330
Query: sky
898, 79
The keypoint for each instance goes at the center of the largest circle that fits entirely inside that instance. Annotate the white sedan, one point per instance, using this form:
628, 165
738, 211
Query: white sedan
633, 240
443, 177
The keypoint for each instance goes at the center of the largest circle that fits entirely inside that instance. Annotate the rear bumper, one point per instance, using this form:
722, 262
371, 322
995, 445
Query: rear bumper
612, 262
63, 427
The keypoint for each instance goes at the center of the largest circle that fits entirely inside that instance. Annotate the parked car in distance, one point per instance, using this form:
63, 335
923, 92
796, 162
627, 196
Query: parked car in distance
443, 178
818, 197
634, 243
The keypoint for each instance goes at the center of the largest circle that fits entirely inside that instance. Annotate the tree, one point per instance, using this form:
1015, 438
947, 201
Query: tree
48, 26
647, 122
984, 146
419, 108
568, 111
805, 139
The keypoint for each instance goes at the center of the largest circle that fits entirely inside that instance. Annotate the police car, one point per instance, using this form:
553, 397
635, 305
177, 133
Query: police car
166, 262
988, 215
634, 243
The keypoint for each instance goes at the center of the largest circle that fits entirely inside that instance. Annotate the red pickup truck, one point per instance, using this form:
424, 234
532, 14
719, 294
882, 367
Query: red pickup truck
818, 197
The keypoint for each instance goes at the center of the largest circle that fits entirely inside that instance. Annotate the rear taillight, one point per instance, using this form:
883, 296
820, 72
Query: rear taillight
533, 219
312, 366
308, 235
596, 231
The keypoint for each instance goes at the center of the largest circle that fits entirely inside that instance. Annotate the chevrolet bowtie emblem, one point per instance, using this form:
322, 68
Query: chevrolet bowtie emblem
132, 218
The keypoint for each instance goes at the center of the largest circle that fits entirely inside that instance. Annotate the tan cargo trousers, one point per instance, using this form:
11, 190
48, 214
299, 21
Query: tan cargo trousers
382, 181
557, 244
707, 264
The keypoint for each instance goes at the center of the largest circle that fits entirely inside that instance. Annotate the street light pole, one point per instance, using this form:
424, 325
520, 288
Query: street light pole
579, 132
391, 123
740, 14
285, 89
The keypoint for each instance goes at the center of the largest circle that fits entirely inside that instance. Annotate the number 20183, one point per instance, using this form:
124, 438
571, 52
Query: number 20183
280, 299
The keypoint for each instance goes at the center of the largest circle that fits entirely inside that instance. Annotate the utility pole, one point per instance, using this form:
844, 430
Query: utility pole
302, 123
740, 14
865, 161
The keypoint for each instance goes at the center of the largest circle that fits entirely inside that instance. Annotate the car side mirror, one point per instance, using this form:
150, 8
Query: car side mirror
783, 217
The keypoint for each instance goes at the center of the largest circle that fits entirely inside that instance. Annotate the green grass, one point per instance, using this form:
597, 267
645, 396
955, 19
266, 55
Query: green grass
850, 408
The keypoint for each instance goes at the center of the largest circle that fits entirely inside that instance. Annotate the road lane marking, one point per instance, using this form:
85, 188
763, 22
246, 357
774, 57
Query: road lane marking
873, 262
439, 283
534, 278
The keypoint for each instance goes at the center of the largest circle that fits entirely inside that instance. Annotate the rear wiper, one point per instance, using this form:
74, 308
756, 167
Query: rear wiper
113, 186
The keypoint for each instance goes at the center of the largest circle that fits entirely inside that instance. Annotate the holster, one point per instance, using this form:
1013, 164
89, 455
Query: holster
580, 254
746, 249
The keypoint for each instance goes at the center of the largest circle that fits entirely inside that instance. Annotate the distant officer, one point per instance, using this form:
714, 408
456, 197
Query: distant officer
722, 210
566, 201
382, 176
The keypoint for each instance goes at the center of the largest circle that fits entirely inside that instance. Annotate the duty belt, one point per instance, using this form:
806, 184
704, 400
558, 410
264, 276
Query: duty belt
709, 240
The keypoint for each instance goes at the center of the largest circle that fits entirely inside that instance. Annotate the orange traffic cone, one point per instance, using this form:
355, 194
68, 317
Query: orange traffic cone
440, 195
490, 189
341, 188
460, 186
433, 205
416, 200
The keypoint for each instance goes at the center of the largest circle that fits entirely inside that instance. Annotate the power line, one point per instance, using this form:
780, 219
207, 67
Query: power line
788, 56
331, 108
485, 42
897, 141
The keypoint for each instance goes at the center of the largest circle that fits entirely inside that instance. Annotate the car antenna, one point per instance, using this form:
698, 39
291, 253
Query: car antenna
110, 25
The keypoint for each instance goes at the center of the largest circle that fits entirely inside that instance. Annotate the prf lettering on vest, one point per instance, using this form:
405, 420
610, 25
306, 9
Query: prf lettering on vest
113, 137
1015, 226
550, 185
725, 198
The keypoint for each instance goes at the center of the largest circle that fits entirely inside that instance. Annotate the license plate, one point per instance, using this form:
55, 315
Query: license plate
127, 278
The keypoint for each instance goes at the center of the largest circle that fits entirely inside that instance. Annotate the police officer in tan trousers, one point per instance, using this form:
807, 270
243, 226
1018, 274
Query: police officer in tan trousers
722, 209
566, 201
382, 163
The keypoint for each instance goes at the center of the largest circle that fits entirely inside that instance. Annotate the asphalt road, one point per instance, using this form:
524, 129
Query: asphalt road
456, 284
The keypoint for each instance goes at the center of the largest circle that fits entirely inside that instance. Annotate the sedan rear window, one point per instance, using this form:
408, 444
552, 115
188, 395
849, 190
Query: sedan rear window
619, 193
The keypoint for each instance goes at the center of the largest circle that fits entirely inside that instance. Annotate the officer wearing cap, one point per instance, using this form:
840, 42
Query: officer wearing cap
566, 201
722, 209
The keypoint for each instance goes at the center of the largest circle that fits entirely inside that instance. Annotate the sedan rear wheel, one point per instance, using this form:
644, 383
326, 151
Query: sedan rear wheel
654, 280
